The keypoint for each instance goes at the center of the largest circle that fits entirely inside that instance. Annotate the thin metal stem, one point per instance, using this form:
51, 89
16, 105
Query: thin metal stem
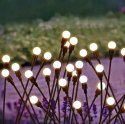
4, 98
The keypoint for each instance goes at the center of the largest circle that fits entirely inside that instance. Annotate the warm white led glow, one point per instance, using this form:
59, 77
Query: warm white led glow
123, 51
6, 59
62, 82
47, 55
57, 64
83, 79
66, 34
103, 86
83, 52
70, 68
73, 41
124, 106
5, 73
111, 45
77, 104
74, 73
36, 51
93, 47
79, 64
99, 68
46, 71
33, 99
28, 74
110, 101
15, 67
67, 44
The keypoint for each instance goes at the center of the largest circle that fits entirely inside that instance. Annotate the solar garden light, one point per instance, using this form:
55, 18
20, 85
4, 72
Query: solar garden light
35, 101
98, 89
16, 68
74, 77
83, 80
36, 52
94, 48
110, 104
66, 47
123, 53
6, 60
73, 41
6, 74
99, 69
84, 54
78, 107
47, 56
65, 37
57, 67
111, 46
79, 65
47, 73
29, 75
63, 84
69, 69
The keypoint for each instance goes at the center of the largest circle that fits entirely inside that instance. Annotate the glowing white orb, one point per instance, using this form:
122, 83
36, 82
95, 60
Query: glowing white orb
36, 51
15, 67
5, 73
77, 104
6, 59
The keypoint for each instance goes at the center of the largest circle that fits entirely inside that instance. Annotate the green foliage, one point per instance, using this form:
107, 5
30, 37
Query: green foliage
19, 39
27, 10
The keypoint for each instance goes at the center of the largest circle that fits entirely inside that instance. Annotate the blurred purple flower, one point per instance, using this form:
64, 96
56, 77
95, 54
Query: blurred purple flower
66, 104
45, 103
105, 111
95, 110
9, 106
123, 9
85, 107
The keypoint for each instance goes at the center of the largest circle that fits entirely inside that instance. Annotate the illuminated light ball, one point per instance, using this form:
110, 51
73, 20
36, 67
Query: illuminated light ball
36, 50
110, 101
57, 64
5, 73
123, 51
67, 44
83, 52
77, 104
73, 41
112, 45
83, 79
28, 74
93, 47
103, 86
46, 72
15, 67
6, 59
34, 99
70, 68
47, 55
62, 82
79, 64
74, 73
99, 68
66, 34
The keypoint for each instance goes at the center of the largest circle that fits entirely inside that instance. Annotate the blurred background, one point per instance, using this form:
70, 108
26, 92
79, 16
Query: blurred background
28, 23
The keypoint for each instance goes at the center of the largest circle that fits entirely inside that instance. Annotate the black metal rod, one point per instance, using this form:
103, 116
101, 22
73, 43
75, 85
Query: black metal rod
4, 100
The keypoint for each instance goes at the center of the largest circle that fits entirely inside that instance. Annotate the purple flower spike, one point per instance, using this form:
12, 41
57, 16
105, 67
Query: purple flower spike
85, 107
95, 110
105, 111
